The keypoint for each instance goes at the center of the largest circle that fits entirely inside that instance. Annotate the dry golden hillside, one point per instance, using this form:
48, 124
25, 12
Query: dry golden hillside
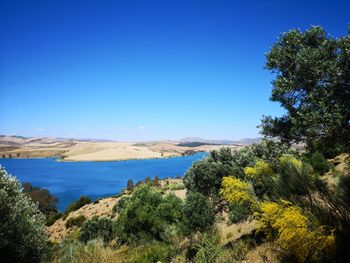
89, 150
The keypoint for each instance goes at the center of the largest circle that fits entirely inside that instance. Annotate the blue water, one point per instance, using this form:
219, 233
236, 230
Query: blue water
69, 180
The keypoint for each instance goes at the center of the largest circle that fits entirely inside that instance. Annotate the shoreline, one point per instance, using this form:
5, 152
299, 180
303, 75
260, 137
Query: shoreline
60, 159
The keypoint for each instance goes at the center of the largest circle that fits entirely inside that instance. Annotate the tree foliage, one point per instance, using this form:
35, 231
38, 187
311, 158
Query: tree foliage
198, 213
313, 84
46, 202
147, 215
22, 232
205, 175
319, 163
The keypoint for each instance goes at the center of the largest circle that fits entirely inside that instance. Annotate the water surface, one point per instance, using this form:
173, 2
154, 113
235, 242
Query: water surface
69, 180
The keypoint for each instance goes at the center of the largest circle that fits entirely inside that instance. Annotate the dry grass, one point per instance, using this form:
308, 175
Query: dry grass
341, 166
93, 252
264, 253
232, 232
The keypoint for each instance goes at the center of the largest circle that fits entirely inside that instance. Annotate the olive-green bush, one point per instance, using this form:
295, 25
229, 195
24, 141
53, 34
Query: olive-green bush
97, 228
319, 163
205, 176
148, 215
75, 221
83, 200
198, 212
50, 220
22, 225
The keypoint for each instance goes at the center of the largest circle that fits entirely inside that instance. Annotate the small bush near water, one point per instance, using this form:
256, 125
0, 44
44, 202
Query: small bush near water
53, 218
83, 200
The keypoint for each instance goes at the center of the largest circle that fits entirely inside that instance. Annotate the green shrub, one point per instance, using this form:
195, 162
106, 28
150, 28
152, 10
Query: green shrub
83, 200
205, 176
198, 213
319, 163
294, 177
209, 250
237, 251
95, 228
22, 226
148, 215
176, 186
239, 212
75, 221
120, 204
64, 217
53, 218
342, 189
150, 253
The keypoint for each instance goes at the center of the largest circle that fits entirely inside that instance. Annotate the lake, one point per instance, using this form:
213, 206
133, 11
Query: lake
69, 180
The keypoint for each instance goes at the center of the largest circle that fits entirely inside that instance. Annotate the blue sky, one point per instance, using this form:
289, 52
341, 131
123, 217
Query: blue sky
145, 70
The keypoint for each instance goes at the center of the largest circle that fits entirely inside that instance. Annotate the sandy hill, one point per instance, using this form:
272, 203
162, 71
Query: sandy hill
94, 150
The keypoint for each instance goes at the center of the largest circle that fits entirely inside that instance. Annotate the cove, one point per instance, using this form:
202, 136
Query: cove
69, 180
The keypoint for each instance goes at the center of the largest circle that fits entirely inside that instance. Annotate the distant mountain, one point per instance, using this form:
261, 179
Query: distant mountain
245, 141
20, 140
86, 140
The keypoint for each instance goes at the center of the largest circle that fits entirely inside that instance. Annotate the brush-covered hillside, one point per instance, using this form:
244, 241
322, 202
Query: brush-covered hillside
263, 203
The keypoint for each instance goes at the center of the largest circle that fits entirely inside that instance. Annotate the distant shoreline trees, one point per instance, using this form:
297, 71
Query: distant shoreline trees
46, 202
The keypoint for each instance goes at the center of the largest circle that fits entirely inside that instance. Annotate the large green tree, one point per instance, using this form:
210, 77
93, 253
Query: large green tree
313, 84
22, 226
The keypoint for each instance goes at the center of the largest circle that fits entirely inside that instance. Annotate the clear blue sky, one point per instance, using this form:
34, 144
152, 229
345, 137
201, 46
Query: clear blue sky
143, 70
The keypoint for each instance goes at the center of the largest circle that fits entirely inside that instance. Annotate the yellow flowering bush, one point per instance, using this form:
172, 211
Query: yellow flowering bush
290, 160
235, 190
240, 197
261, 177
294, 232
261, 168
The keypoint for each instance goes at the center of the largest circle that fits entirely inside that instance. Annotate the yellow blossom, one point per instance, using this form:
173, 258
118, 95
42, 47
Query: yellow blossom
235, 191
